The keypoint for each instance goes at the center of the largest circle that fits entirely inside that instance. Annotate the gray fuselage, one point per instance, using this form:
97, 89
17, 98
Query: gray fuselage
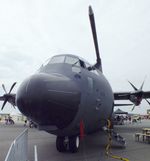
84, 94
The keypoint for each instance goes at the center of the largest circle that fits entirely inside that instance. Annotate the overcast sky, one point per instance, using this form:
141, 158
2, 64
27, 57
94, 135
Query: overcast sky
31, 31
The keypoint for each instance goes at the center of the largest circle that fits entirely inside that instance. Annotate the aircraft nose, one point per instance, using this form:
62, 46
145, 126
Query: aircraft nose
49, 99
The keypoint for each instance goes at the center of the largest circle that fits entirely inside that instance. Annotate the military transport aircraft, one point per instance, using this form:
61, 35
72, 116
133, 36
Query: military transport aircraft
68, 95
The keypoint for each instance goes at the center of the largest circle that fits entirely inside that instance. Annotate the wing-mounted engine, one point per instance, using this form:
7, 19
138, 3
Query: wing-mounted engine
8, 96
137, 96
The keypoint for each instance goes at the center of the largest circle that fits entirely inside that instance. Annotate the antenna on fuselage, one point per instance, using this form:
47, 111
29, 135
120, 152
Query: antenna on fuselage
98, 64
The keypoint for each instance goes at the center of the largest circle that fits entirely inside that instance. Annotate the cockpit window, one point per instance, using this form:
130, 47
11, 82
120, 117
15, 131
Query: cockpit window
57, 59
72, 60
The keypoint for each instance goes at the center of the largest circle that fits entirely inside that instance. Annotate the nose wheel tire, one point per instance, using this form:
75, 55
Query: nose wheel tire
61, 144
74, 144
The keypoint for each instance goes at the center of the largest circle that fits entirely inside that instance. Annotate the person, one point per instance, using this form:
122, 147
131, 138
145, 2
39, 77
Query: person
140, 119
6, 121
11, 121
129, 119
118, 118
31, 124
25, 123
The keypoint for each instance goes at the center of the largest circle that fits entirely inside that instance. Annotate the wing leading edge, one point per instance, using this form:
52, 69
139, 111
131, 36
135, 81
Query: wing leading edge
135, 97
127, 95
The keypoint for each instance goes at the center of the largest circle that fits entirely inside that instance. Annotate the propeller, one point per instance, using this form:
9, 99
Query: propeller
147, 101
4, 88
138, 93
133, 107
8, 95
133, 86
93, 28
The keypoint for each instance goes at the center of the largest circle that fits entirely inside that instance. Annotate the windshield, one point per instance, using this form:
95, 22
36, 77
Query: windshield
62, 59
57, 59
72, 60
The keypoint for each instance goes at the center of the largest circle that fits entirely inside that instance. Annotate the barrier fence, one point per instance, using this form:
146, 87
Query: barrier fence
18, 150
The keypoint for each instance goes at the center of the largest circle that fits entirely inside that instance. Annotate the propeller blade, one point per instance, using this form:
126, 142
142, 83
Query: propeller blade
133, 86
4, 88
93, 28
4, 104
12, 87
133, 107
142, 84
147, 101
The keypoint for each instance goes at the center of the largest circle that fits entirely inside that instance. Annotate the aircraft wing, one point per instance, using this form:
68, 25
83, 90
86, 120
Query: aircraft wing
121, 95
2, 98
146, 94
126, 95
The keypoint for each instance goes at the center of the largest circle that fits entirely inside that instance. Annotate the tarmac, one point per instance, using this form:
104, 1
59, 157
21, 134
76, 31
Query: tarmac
92, 147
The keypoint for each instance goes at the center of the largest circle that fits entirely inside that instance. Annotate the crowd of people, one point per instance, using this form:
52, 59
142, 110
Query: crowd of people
120, 119
8, 120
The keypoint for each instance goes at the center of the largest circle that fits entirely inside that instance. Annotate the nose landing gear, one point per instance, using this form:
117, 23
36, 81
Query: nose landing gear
61, 144
64, 144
